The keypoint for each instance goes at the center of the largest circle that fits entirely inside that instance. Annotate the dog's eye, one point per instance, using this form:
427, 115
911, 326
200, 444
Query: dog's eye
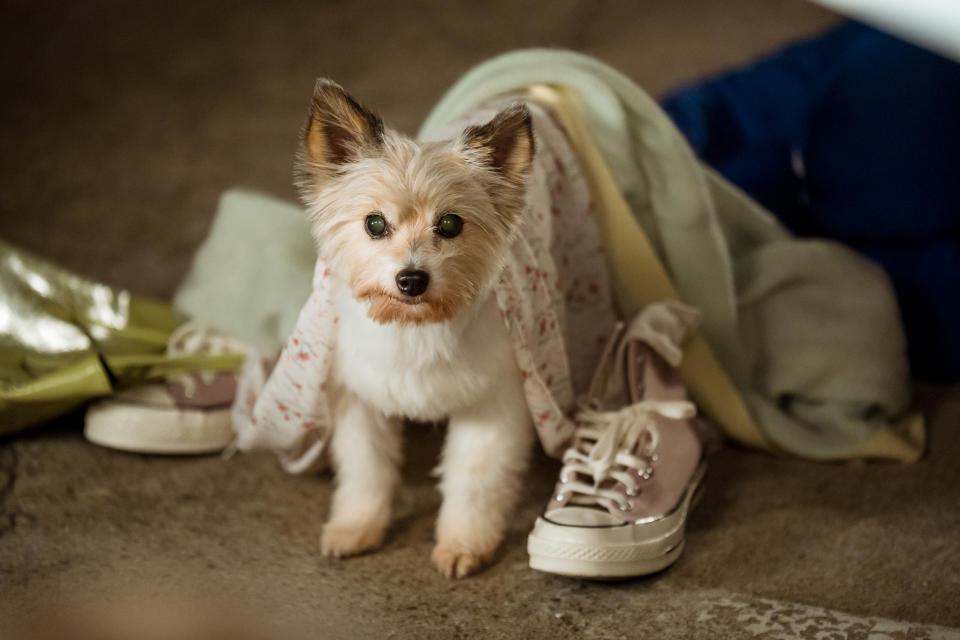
376, 225
449, 225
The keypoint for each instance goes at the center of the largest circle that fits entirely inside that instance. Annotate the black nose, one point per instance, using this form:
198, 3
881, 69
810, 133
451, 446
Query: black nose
412, 283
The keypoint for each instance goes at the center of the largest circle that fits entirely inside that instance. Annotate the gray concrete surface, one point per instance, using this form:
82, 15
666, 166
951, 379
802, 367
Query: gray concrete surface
120, 125
877, 542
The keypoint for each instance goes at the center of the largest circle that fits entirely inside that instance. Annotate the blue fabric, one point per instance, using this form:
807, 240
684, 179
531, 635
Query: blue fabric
855, 136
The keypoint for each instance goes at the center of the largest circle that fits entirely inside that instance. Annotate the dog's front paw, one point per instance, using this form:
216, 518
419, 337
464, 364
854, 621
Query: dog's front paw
349, 539
454, 561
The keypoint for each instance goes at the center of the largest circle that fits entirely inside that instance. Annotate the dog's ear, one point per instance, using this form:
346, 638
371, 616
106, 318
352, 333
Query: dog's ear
505, 144
338, 129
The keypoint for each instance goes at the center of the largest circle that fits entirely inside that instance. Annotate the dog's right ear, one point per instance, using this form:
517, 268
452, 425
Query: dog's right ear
338, 130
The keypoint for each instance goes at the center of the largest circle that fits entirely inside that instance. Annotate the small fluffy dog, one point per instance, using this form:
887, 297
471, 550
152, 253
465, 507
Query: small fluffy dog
415, 235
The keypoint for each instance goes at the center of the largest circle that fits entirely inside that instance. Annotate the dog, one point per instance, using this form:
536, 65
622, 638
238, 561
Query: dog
415, 235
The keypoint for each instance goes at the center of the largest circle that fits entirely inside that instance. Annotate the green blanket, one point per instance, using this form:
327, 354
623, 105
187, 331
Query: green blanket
809, 331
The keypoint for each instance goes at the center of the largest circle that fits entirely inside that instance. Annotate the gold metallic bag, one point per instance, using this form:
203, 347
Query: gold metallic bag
65, 340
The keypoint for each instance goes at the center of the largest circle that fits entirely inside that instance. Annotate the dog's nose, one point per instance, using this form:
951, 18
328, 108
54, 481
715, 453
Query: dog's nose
412, 283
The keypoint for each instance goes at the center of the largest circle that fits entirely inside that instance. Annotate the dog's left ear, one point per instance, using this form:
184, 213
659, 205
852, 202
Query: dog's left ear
505, 144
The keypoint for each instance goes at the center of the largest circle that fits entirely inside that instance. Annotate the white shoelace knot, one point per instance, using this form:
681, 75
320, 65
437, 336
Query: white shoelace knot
607, 449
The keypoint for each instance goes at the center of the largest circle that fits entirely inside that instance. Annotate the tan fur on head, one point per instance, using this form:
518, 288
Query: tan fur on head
351, 166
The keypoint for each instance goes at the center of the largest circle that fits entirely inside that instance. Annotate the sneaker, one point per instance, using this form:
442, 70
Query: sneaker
185, 414
632, 475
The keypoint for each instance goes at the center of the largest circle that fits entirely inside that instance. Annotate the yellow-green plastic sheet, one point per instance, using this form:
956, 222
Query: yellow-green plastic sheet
65, 340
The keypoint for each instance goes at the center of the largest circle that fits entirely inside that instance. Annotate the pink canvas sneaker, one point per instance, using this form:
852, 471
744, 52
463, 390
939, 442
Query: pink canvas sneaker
188, 413
174, 417
631, 476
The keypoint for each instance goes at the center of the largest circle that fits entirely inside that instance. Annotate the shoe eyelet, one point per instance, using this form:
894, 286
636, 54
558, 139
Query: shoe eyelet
626, 507
630, 493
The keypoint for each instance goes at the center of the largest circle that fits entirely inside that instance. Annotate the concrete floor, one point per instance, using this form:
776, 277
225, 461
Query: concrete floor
121, 124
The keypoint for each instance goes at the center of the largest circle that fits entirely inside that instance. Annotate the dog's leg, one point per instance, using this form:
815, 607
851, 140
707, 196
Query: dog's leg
484, 460
366, 449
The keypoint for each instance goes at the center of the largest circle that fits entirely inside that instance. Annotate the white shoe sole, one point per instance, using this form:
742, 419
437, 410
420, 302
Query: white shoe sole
622, 551
146, 429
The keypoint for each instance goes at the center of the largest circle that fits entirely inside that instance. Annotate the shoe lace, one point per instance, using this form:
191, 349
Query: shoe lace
194, 338
607, 450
